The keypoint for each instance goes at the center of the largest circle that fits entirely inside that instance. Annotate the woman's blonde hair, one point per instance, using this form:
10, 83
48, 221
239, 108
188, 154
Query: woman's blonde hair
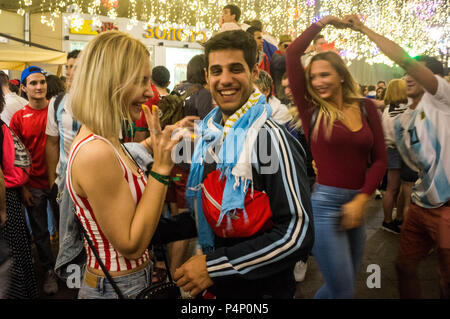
350, 91
109, 65
396, 92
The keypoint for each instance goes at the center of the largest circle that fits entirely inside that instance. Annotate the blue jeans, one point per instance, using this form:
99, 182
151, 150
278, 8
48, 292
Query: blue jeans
130, 285
337, 252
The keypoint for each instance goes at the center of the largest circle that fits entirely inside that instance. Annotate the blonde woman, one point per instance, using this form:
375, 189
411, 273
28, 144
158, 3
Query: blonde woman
345, 135
118, 207
395, 101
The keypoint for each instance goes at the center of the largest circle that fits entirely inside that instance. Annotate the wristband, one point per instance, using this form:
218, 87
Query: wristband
164, 179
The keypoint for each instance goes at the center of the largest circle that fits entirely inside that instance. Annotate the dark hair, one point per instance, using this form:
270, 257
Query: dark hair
363, 88
161, 76
285, 76
381, 81
73, 54
253, 29
4, 79
14, 88
256, 23
382, 94
196, 70
234, 9
372, 88
317, 37
54, 86
2, 101
235, 39
432, 63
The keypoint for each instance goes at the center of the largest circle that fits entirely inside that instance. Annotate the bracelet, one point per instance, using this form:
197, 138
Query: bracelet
164, 179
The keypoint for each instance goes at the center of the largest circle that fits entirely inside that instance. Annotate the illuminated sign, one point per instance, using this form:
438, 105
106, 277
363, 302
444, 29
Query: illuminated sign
173, 34
86, 28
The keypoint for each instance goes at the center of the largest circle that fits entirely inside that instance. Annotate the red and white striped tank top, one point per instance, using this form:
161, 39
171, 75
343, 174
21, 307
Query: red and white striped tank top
112, 259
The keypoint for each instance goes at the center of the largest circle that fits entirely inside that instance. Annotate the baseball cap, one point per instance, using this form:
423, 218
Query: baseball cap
30, 70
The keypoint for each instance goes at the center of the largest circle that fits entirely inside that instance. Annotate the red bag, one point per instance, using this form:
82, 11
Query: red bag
257, 208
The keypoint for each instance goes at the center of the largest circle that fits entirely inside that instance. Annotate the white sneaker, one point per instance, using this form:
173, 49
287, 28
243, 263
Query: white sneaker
300, 271
50, 283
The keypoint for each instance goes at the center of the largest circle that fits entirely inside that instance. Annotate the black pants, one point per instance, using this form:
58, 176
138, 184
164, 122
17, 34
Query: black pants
38, 221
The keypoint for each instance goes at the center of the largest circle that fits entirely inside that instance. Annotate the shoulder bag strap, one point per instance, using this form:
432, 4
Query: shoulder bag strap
313, 122
58, 100
105, 271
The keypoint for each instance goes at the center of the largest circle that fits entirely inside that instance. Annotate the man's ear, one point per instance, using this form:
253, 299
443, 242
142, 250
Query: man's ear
255, 72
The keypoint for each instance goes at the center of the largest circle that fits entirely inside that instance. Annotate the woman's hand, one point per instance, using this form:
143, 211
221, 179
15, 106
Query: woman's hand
353, 21
161, 141
353, 212
334, 21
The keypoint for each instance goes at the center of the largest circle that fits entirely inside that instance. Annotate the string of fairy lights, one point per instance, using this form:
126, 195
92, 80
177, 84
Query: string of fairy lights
419, 26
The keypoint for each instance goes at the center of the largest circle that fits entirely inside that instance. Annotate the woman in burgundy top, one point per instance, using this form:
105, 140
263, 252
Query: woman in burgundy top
345, 136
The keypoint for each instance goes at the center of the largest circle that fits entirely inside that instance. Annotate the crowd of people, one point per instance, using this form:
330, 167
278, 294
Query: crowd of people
267, 153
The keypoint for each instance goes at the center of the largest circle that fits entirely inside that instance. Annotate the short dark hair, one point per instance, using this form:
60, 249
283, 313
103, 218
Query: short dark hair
2, 101
234, 9
253, 29
235, 39
161, 76
432, 63
73, 54
196, 70
4, 79
54, 86
14, 88
372, 88
317, 37
381, 81
256, 23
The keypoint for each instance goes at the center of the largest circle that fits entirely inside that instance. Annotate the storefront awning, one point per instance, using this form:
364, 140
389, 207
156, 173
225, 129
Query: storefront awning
17, 57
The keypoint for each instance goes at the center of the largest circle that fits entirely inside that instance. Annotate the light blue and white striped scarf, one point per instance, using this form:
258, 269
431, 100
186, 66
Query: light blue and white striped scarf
236, 138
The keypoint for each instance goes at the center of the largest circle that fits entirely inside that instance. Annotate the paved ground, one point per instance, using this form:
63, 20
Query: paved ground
381, 249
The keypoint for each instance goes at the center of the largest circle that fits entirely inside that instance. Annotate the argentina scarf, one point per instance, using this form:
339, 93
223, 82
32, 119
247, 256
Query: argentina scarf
236, 140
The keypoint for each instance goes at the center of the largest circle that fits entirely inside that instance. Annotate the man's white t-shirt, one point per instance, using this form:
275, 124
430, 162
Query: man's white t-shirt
65, 127
13, 103
423, 139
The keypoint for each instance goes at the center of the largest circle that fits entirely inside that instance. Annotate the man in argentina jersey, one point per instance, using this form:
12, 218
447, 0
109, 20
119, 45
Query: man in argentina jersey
255, 250
422, 137
61, 129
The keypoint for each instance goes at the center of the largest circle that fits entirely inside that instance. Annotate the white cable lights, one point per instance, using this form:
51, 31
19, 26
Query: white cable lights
419, 26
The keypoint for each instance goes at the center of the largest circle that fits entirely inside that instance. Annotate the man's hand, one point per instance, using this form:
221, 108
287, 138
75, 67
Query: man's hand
192, 276
27, 197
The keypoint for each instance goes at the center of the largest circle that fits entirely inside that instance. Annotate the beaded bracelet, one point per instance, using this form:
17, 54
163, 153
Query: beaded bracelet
164, 179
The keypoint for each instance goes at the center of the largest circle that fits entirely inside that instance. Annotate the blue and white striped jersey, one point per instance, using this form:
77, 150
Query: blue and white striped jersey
423, 139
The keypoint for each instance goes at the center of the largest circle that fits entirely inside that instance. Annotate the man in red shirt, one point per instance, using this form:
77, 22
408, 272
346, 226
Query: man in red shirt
29, 125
